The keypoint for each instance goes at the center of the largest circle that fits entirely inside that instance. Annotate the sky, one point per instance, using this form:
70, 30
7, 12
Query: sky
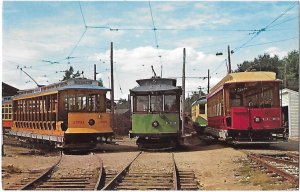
46, 38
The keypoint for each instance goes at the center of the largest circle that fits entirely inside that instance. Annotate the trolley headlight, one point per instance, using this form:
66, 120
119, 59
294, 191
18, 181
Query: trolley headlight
257, 119
91, 122
155, 124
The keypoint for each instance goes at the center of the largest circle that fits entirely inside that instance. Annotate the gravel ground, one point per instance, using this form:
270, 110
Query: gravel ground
19, 161
215, 165
76, 164
153, 162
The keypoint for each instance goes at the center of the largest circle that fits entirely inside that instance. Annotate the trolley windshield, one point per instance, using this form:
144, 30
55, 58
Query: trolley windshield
254, 94
155, 103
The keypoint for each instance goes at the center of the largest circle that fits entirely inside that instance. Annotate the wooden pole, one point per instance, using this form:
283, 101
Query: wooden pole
95, 72
229, 61
208, 81
183, 91
112, 85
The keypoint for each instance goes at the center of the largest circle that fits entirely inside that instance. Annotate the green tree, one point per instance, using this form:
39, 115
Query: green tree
70, 74
100, 82
262, 63
188, 101
289, 71
286, 69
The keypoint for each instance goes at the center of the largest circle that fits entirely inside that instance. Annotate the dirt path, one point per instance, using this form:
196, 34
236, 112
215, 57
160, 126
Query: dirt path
216, 166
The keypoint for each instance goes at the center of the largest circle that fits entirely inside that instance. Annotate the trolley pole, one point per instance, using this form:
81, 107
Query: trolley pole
112, 86
208, 81
183, 91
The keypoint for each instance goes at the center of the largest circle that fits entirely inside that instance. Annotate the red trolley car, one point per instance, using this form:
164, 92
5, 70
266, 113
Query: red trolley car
245, 108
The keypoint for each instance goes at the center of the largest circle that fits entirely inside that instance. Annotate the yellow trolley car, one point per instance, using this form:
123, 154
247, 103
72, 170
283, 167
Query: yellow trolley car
71, 114
199, 114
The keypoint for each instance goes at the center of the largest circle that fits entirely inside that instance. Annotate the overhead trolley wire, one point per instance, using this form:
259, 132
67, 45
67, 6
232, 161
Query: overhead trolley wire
271, 42
76, 45
287, 20
265, 28
82, 15
282, 14
216, 69
156, 41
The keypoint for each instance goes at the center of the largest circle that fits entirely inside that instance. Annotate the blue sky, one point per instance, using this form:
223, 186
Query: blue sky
37, 31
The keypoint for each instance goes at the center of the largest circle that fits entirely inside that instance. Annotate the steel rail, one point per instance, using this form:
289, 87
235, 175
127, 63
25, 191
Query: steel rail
110, 185
278, 160
100, 178
31, 184
175, 174
293, 179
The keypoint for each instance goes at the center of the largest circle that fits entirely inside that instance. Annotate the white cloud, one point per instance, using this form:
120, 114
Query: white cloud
133, 64
194, 41
276, 51
165, 7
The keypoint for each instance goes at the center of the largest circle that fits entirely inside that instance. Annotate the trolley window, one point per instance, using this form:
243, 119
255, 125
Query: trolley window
202, 108
171, 103
7, 111
80, 102
256, 95
142, 103
156, 103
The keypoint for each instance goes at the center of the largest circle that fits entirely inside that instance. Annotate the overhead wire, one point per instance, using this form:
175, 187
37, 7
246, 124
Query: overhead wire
82, 15
265, 28
156, 41
287, 20
85, 26
218, 67
271, 42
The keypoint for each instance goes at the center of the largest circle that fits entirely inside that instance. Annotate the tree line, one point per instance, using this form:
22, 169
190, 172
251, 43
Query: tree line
286, 69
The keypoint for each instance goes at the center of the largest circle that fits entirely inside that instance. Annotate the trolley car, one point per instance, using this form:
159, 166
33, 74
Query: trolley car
155, 105
71, 114
199, 115
6, 113
244, 108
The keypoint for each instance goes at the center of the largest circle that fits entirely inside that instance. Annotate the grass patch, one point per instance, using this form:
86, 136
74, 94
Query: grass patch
256, 177
259, 178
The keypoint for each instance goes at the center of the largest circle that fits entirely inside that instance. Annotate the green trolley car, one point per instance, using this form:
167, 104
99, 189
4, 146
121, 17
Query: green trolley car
155, 106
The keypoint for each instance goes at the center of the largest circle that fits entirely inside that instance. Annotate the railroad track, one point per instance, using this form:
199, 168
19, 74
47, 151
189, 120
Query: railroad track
56, 179
35, 176
283, 165
140, 179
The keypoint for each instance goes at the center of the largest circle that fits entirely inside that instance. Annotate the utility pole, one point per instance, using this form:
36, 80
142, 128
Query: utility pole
183, 91
208, 77
229, 60
95, 72
112, 86
285, 79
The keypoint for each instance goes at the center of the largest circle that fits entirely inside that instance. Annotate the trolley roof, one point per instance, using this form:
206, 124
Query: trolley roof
155, 84
201, 100
244, 77
77, 84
